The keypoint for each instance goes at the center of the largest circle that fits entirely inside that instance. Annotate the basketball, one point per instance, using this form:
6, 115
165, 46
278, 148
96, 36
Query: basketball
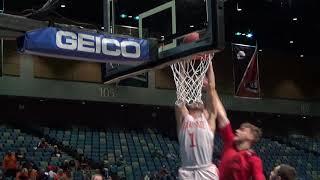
189, 38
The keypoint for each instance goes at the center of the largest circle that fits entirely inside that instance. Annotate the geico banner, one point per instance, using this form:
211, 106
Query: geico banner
55, 42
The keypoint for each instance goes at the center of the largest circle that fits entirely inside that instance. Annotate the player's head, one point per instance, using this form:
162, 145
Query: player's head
283, 172
97, 177
197, 106
248, 133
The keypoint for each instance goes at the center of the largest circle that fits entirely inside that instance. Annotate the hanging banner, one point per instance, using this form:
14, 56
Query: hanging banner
246, 71
87, 46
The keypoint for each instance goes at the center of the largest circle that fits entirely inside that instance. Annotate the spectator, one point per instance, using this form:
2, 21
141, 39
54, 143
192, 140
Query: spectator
23, 174
115, 177
97, 177
26, 164
42, 175
157, 153
172, 156
1, 174
20, 155
33, 174
42, 144
52, 174
56, 151
163, 171
9, 164
52, 168
106, 172
106, 163
72, 163
82, 160
60, 174
154, 175
68, 174
65, 165
147, 176
121, 161
283, 172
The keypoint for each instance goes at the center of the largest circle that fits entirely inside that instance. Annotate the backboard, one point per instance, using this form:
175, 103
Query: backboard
168, 22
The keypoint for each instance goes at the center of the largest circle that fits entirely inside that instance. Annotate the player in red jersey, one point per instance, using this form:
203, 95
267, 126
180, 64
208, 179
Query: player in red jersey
238, 160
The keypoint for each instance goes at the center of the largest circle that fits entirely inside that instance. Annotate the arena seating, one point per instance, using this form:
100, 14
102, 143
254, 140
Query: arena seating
274, 153
302, 142
14, 140
141, 152
137, 147
135, 153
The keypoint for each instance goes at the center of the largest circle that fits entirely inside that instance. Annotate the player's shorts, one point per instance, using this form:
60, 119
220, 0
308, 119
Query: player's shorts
207, 172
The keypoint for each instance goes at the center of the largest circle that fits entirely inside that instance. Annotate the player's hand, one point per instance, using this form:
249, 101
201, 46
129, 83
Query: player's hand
205, 83
210, 76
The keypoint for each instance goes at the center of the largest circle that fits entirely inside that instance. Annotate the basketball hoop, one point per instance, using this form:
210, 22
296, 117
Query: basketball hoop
189, 73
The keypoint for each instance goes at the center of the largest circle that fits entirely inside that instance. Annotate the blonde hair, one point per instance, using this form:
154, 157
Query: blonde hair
256, 132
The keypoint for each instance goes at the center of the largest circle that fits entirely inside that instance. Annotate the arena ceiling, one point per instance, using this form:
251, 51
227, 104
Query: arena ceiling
289, 25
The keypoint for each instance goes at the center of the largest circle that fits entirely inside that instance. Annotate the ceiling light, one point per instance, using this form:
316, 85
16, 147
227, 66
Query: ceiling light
136, 17
301, 55
294, 19
249, 35
291, 42
191, 26
123, 15
63, 5
129, 16
260, 50
303, 117
238, 33
102, 27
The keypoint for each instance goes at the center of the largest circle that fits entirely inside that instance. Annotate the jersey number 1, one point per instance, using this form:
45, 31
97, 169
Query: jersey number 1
193, 143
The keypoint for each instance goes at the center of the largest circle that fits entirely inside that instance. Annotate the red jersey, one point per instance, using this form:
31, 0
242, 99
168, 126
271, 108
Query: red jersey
235, 164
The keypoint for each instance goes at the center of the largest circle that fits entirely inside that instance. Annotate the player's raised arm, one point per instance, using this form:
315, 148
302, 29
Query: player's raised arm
222, 118
210, 101
180, 111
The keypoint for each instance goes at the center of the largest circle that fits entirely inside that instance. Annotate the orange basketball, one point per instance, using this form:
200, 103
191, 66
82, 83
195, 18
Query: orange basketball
189, 38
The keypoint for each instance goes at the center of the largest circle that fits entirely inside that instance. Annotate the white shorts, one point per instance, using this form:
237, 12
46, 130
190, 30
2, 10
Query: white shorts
209, 172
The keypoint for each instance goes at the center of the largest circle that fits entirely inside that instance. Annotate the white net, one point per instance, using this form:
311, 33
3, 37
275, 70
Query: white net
188, 75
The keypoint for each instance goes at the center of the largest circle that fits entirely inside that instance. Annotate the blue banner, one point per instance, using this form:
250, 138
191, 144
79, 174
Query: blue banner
88, 46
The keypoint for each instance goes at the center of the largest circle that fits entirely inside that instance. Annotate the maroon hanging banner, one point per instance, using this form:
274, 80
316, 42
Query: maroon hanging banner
246, 71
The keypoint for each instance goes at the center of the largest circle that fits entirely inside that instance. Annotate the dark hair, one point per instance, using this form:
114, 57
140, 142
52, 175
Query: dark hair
287, 172
195, 106
257, 132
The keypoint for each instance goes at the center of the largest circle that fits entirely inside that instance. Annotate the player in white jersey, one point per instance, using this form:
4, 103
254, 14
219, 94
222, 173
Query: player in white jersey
196, 127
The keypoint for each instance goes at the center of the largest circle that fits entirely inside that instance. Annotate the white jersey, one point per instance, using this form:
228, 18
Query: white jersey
196, 141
